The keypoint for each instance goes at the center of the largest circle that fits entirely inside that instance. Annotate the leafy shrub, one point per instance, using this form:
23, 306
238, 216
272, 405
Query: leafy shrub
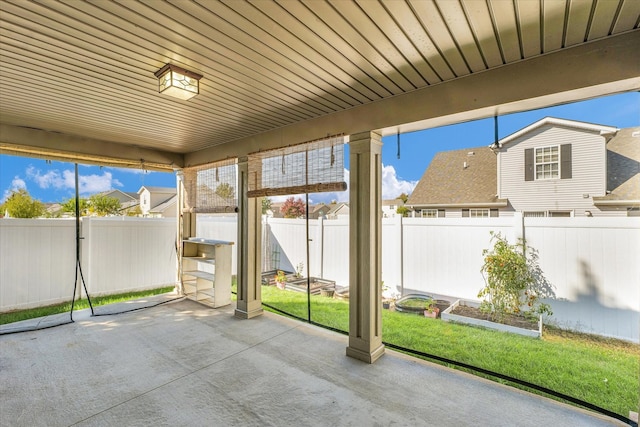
514, 282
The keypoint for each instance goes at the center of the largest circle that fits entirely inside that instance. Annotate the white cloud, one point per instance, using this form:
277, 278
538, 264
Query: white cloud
392, 185
88, 184
50, 179
16, 184
136, 171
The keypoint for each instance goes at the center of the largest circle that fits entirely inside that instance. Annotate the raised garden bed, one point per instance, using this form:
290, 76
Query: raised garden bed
468, 312
317, 284
417, 303
269, 277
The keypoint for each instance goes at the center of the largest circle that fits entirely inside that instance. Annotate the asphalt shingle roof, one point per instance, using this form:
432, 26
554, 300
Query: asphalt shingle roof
623, 165
448, 182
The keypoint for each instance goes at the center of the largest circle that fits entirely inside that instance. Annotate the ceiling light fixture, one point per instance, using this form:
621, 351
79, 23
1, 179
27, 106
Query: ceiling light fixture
178, 82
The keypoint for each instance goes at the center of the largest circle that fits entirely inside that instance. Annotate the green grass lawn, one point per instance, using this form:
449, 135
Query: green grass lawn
65, 307
603, 372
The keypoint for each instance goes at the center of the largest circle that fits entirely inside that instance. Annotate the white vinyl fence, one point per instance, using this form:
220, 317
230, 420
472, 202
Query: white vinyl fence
592, 262
120, 254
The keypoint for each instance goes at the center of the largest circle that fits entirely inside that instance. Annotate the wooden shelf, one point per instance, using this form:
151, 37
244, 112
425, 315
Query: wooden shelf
200, 258
201, 274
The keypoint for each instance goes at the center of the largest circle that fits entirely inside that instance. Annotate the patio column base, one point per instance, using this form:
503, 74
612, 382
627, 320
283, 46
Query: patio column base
248, 314
366, 356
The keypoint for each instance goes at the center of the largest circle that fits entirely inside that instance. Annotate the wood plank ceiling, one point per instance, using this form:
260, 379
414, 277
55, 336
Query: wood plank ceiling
86, 68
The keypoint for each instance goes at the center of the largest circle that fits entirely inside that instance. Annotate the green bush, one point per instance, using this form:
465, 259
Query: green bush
514, 283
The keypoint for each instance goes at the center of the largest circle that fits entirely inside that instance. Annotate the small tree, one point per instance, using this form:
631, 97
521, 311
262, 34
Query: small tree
514, 282
403, 210
404, 197
20, 204
136, 211
70, 206
293, 208
266, 205
102, 205
225, 191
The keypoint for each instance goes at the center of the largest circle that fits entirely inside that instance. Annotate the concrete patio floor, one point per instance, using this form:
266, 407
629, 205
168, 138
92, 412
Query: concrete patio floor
183, 364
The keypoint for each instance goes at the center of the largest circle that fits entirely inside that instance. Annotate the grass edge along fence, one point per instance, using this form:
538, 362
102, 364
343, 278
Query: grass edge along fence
81, 304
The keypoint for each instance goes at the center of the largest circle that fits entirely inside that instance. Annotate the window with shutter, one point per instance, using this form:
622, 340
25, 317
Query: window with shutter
565, 161
465, 213
528, 164
547, 163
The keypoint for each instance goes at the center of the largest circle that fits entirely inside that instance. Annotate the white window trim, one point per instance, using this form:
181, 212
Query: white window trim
424, 213
547, 214
535, 163
473, 213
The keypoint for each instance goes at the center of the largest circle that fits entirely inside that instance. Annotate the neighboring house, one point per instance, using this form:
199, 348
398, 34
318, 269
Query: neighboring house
554, 167
458, 183
158, 201
128, 200
390, 208
53, 210
338, 211
318, 211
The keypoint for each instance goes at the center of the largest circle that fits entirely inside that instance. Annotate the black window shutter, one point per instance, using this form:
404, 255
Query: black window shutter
565, 161
493, 213
528, 164
465, 213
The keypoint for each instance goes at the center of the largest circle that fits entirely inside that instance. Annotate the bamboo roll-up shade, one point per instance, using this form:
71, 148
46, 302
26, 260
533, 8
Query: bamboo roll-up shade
310, 167
211, 188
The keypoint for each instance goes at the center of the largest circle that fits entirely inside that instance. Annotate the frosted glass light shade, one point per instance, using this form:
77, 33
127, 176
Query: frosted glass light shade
178, 82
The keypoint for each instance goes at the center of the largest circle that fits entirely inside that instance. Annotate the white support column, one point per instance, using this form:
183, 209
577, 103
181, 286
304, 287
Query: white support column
249, 298
365, 250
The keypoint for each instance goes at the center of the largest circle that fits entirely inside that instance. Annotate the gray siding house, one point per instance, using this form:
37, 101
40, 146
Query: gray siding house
554, 167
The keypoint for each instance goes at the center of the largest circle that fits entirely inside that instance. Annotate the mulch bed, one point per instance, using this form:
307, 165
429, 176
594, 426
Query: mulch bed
509, 319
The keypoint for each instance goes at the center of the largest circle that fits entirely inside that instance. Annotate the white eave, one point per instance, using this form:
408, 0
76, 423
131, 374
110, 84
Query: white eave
502, 203
601, 129
612, 202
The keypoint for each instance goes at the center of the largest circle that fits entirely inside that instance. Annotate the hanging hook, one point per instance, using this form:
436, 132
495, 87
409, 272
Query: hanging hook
333, 156
495, 130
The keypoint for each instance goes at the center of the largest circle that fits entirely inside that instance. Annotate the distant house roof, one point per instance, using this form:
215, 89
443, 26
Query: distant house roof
337, 208
164, 205
623, 169
167, 190
459, 178
122, 196
392, 202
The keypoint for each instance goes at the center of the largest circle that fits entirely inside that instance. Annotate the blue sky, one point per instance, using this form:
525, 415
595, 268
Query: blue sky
54, 181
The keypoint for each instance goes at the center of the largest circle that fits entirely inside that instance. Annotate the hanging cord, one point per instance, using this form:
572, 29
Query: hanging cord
307, 230
398, 138
180, 297
78, 264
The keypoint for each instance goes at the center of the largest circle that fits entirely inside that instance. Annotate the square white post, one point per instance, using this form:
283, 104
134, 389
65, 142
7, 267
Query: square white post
249, 297
365, 250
